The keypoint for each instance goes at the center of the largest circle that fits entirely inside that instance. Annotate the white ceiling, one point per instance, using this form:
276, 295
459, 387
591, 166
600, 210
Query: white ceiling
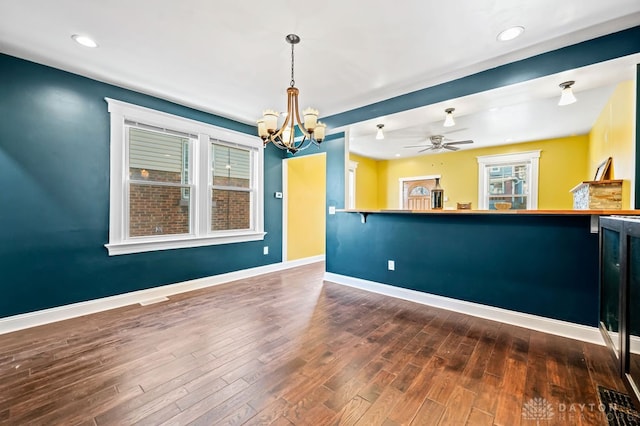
518, 113
230, 58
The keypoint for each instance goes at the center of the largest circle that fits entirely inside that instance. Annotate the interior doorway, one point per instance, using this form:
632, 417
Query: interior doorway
415, 192
304, 181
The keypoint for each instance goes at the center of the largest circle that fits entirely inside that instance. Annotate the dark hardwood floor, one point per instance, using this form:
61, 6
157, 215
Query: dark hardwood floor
286, 348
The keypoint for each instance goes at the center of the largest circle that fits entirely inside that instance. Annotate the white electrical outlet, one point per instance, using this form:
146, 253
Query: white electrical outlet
265, 250
391, 264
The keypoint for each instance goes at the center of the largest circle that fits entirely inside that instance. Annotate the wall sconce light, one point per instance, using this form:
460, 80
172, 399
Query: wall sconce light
567, 97
449, 121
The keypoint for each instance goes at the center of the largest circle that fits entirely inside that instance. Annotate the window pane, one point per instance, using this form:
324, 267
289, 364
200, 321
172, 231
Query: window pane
230, 210
517, 202
158, 210
231, 166
508, 179
419, 190
158, 157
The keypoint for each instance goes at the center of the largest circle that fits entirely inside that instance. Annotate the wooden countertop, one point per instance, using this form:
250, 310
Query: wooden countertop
503, 212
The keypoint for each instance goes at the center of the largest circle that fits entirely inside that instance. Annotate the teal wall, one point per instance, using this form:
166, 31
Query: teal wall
541, 265
54, 171
54, 167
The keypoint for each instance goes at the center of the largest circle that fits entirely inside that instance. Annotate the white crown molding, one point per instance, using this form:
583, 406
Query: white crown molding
533, 322
143, 297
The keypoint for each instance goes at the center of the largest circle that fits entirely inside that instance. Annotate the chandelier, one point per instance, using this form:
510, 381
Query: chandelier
312, 130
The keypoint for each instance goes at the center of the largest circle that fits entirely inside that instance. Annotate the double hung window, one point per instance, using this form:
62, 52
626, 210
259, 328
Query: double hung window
179, 183
508, 178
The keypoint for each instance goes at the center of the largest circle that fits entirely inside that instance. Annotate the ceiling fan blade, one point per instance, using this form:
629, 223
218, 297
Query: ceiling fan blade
451, 148
429, 148
459, 142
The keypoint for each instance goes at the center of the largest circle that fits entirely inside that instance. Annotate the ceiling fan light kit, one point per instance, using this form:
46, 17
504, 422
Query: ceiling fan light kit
566, 96
448, 120
313, 131
380, 133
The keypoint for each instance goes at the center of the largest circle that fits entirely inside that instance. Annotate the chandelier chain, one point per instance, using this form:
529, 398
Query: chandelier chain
293, 81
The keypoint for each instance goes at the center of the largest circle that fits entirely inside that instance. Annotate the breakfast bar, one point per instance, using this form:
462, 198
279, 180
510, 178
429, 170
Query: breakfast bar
538, 262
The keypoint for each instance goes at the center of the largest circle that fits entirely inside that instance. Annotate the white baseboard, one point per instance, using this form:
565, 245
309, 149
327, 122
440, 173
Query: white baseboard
305, 261
151, 295
634, 342
534, 322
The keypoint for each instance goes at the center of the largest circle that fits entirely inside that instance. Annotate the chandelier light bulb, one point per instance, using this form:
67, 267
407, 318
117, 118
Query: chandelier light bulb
319, 131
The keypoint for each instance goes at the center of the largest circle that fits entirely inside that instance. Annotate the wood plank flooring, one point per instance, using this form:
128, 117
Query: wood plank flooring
287, 349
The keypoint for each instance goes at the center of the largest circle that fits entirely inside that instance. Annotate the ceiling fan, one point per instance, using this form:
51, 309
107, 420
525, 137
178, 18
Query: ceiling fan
437, 142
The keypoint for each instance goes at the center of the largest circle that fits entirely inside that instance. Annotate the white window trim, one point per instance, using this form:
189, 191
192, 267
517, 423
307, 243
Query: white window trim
531, 157
201, 234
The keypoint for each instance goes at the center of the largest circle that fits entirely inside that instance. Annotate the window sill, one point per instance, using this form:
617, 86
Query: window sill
141, 246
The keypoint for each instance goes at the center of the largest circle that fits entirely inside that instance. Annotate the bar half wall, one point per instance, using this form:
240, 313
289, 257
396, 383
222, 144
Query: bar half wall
540, 264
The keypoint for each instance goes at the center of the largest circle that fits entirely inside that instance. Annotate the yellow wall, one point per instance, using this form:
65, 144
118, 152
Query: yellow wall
612, 136
366, 182
563, 164
306, 192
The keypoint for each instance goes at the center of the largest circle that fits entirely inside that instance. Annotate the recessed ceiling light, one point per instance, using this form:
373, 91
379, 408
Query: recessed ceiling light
84, 40
510, 33
397, 155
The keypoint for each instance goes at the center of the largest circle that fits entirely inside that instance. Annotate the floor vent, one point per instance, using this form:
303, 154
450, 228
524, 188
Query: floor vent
618, 408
